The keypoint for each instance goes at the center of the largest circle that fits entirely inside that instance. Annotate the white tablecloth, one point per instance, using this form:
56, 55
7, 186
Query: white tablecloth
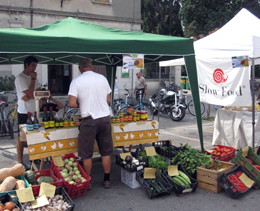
234, 128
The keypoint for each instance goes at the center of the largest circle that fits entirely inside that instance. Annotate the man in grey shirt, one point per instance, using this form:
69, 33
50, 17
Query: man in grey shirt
140, 85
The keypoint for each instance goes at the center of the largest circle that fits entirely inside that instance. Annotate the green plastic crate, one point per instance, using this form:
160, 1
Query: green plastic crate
248, 168
13, 192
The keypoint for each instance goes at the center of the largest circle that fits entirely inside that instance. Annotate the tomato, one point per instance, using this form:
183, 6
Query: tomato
249, 160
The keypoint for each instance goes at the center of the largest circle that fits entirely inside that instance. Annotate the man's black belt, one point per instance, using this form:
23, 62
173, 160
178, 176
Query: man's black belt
88, 117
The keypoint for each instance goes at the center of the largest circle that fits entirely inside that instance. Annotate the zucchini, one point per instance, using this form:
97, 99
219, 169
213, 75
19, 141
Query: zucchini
183, 175
178, 181
187, 185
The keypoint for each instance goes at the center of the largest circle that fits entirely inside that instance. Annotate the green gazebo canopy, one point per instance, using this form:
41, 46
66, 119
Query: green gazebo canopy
68, 40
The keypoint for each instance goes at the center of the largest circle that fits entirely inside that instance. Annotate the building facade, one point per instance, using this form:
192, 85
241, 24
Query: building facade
120, 14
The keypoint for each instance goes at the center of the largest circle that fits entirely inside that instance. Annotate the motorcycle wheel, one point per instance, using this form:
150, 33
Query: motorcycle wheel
153, 111
179, 115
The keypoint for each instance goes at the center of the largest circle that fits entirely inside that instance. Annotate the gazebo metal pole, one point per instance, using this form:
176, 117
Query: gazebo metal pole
253, 102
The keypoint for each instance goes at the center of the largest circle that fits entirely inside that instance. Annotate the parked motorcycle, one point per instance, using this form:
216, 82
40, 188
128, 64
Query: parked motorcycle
168, 101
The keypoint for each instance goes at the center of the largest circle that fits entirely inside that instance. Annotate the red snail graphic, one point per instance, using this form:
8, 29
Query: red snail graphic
219, 76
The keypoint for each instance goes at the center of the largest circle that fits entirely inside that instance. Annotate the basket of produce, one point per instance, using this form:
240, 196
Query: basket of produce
61, 201
7, 203
232, 184
182, 183
35, 178
250, 164
74, 178
129, 163
207, 175
223, 153
154, 187
191, 158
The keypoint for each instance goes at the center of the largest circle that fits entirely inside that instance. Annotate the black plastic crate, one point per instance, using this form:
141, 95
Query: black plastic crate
7, 197
154, 187
230, 187
166, 149
131, 167
179, 189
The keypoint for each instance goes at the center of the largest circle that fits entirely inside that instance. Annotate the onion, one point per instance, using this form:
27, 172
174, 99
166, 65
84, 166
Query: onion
2, 207
9, 205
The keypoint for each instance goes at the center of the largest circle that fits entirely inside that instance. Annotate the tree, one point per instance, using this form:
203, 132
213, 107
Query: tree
161, 17
199, 17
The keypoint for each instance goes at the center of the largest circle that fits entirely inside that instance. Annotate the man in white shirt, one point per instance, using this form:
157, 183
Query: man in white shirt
91, 93
26, 83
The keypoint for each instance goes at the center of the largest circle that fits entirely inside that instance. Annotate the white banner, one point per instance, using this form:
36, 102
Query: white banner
221, 84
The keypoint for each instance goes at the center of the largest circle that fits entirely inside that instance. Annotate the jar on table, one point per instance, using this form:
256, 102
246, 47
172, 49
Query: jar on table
121, 114
130, 117
117, 119
113, 119
134, 118
137, 117
144, 115
126, 118
129, 110
122, 119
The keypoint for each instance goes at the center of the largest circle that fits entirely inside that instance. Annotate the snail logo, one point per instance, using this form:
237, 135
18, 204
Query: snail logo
219, 76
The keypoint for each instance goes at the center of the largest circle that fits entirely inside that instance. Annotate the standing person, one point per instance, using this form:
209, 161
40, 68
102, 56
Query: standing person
140, 85
56, 106
91, 93
26, 83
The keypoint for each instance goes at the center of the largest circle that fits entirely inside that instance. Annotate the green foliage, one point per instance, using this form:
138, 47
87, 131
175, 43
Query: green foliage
191, 18
157, 161
7, 83
201, 17
161, 17
191, 158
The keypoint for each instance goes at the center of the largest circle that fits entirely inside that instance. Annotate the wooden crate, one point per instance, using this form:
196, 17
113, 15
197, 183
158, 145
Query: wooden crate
207, 177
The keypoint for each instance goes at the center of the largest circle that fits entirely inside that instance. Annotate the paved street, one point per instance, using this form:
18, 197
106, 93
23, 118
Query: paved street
120, 197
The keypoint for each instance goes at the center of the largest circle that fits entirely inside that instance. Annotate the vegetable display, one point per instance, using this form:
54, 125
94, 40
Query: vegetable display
55, 203
157, 161
8, 184
191, 158
70, 171
14, 171
30, 176
234, 178
182, 179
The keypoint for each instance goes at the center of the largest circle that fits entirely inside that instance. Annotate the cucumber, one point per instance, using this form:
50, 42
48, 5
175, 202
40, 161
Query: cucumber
156, 187
183, 175
178, 181
187, 185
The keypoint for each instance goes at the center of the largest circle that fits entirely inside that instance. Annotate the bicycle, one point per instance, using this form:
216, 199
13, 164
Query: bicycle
140, 105
120, 103
191, 107
13, 114
6, 127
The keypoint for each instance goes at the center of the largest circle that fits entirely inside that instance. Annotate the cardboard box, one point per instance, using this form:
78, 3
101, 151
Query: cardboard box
207, 177
129, 178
